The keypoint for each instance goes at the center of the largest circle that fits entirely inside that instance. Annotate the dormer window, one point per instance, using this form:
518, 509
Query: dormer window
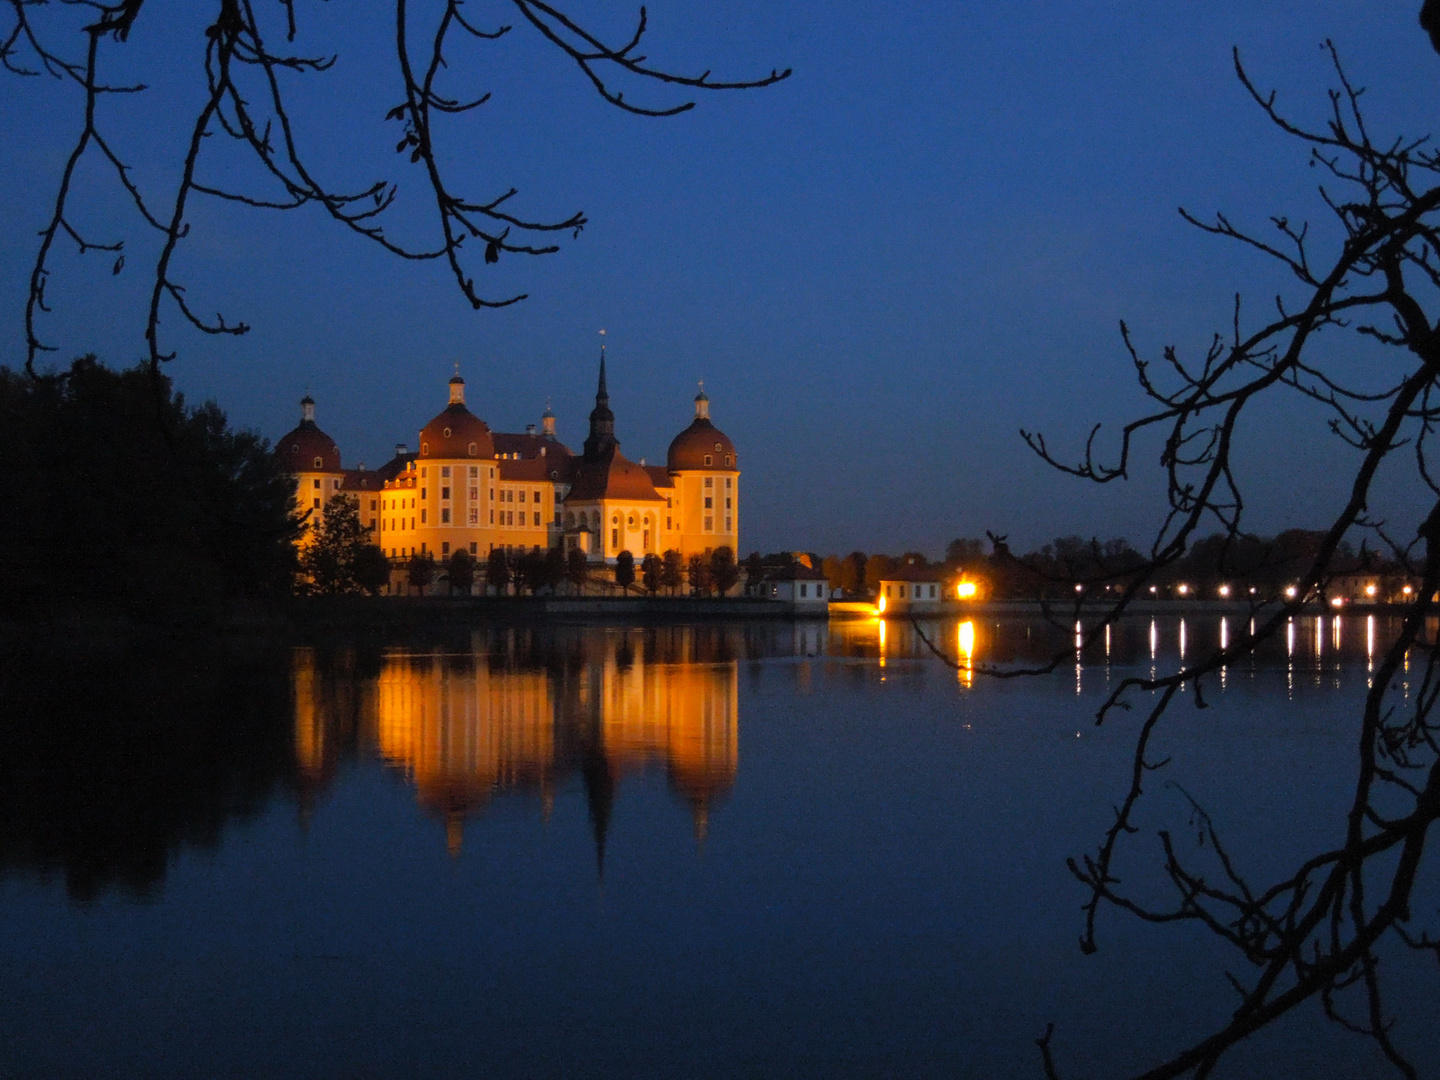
424, 449
319, 463
473, 448
719, 447
447, 433
729, 460
708, 460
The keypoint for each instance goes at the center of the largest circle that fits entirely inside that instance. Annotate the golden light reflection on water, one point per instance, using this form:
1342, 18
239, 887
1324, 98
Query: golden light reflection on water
462, 730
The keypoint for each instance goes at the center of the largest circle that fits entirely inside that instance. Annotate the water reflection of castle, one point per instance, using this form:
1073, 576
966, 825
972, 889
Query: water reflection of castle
466, 727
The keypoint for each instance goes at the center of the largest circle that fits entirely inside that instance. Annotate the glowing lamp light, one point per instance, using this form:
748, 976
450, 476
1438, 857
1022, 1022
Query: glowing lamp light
1337, 602
1371, 590
1290, 592
1152, 590
1183, 589
1224, 590
1252, 590
1079, 588
965, 590
880, 606
1406, 590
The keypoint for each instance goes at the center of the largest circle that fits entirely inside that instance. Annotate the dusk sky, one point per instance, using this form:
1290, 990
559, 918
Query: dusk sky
882, 268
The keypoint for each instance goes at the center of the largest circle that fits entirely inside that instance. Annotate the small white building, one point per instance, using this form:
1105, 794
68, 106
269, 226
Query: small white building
806, 589
911, 588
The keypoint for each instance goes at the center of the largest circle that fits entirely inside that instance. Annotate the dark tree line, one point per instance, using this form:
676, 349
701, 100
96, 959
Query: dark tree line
122, 495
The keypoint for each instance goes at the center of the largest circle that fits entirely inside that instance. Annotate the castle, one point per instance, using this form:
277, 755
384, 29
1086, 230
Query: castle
468, 488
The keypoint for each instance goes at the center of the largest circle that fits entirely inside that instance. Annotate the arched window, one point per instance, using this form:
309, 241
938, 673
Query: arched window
729, 460
424, 449
447, 433
707, 460
472, 449
615, 519
630, 522
319, 463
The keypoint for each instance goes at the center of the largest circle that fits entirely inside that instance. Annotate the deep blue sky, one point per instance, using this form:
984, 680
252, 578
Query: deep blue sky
882, 268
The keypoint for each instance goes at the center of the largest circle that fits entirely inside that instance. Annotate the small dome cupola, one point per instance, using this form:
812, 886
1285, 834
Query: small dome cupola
702, 445
306, 448
456, 432
547, 423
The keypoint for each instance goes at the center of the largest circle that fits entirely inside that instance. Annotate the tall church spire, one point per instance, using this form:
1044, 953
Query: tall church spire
601, 443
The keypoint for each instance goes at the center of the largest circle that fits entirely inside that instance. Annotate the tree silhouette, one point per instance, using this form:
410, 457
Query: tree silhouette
651, 567
497, 571
420, 571
625, 570
577, 570
1315, 931
460, 572
248, 77
672, 572
371, 569
723, 571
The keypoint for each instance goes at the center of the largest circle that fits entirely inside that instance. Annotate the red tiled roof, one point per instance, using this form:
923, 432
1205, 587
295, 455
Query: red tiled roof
531, 469
299, 449
529, 446
465, 430
615, 478
690, 447
659, 476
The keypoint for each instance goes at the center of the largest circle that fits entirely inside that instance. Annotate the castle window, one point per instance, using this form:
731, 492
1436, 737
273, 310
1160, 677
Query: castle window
522, 496
474, 549
729, 460
317, 504
445, 515
707, 459
424, 449
335, 484
615, 538
474, 494
667, 523
727, 481
537, 497
804, 590
709, 524
709, 482
709, 502
444, 470
319, 463
718, 447
932, 592
669, 504
446, 433
537, 517
492, 517
473, 448
423, 492
492, 475
372, 506
727, 502
424, 473
570, 520
422, 517
474, 515
474, 469
615, 519
630, 522
445, 548
444, 493
315, 483
727, 525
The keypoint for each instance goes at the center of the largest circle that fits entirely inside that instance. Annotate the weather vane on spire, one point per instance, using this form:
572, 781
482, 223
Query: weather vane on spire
602, 342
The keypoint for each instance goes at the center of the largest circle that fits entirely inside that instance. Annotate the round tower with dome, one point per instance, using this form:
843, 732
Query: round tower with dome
314, 460
706, 474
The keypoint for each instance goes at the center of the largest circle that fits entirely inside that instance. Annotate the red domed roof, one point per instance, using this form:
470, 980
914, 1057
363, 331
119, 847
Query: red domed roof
308, 449
456, 433
702, 446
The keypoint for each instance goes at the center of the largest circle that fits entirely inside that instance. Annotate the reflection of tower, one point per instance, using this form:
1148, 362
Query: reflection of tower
462, 731
331, 707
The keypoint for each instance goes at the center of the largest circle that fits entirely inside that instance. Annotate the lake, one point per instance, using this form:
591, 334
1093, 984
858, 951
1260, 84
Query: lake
719, 850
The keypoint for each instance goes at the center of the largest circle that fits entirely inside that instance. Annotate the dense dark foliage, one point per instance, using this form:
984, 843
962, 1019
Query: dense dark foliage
123, 497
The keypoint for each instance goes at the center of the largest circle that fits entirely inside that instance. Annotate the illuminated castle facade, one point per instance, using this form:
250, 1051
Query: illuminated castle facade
469, 488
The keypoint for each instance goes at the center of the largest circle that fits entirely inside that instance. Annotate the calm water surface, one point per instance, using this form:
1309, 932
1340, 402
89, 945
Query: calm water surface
709, 851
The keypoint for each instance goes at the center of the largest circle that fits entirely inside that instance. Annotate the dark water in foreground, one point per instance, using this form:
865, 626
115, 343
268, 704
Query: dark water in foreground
713, 851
